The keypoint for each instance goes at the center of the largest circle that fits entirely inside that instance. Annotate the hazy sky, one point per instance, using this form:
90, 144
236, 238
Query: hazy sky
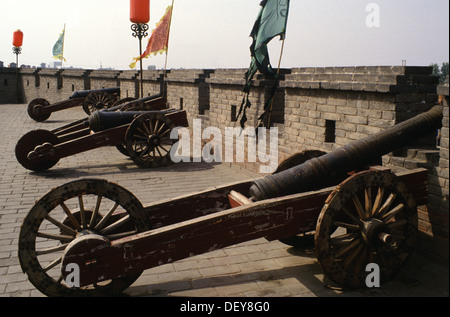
215, 33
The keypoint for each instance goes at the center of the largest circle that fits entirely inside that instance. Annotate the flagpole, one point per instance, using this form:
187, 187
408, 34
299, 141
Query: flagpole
64, 39
278, 73
167, 51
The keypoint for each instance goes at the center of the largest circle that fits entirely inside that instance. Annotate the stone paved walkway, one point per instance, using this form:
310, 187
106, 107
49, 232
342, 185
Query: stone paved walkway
253, 269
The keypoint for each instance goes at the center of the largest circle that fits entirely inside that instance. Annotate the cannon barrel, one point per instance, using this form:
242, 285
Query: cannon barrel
123, 105
320, 172
84, 93
113, 117
103, 120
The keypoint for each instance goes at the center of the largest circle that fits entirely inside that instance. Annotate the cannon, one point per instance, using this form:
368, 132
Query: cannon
40, 109
359, 215
139, 129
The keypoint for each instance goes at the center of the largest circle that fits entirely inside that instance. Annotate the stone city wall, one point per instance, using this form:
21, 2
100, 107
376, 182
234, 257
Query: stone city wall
320, 108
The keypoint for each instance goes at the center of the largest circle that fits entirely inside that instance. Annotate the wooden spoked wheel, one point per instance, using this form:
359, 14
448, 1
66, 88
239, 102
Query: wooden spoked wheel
148, 140
133, 106
369, 218
35, 140
303, 239
123, 101
129, 105
35, 110
71, 212
96, 101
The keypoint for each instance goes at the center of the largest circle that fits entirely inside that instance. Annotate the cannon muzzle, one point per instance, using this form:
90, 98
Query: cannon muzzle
323, 171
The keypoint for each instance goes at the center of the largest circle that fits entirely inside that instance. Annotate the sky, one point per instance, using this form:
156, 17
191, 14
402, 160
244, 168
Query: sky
215, 33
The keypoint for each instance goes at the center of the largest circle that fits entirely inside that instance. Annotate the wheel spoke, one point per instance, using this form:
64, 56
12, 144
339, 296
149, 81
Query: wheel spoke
141, 137
160, 128
103, 221
162, 147
96, 211
69, 214
159, 152
378, 201
349, 259
147, 131
156, 126
116, 224
397, 223
358, 207
82, 212
346, 225
150, 124
388, 216
144, 133
164, 133
351, 216
52, 249
386, 205
52, 236
65, 229
145, 151
52, 264
368, 201
346, 248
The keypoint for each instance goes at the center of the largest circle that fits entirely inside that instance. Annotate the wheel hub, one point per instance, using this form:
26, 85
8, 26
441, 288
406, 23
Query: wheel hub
99, 105
154, 140
375, 231
38, 109
78, 252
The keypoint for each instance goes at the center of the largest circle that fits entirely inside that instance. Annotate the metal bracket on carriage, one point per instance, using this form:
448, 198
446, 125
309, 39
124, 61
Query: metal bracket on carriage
39, 110
44, 151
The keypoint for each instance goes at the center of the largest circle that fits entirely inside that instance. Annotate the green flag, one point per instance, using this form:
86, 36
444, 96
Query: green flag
58, 48
271, 22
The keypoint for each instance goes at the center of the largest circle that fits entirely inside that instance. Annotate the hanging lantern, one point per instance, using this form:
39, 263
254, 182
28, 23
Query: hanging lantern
17, 38
140, 11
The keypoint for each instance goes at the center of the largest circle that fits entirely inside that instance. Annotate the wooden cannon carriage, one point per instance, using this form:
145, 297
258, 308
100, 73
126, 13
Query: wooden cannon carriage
140, 129
104, 231
40, 109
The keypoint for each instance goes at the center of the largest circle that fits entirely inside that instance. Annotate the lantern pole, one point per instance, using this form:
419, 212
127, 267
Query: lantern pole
140, 31
17, 50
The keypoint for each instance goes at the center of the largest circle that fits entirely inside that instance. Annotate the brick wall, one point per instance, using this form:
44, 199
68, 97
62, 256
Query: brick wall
187, 89
8, 86
31, 84
434, 218
104, 79
74, 80
129, 86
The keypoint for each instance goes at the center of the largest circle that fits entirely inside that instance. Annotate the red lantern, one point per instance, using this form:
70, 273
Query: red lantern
139, 11
18, 38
